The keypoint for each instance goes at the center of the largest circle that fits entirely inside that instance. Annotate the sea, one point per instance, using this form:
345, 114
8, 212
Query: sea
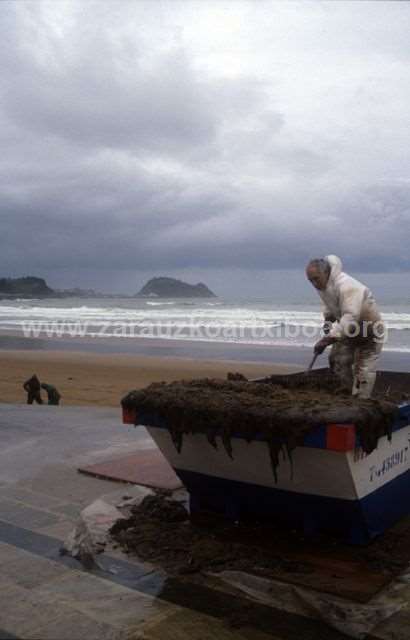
221, 321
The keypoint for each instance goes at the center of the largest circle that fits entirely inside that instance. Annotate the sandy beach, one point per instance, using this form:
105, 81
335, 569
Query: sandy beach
102, 379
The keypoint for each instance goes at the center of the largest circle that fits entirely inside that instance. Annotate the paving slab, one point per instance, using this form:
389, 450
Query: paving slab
24, 516
80, 587
30, 498
59, 530
74, 625
125, 609
23, 611
186, 625
8, 553
68, 510
105, 601
66, 484
30, 571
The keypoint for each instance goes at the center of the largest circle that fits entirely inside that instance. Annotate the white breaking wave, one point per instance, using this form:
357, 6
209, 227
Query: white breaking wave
215, 314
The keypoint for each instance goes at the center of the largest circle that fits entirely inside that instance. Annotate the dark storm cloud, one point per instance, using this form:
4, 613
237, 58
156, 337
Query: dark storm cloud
133, 139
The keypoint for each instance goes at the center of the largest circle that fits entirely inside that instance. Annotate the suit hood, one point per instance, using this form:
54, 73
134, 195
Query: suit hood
335, 266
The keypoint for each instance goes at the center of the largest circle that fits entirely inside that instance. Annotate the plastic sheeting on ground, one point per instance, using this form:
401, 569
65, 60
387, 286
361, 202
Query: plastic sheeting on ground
90, 534
351, 618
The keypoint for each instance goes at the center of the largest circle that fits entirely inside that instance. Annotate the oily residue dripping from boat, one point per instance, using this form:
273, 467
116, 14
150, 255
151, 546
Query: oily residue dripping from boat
282, 410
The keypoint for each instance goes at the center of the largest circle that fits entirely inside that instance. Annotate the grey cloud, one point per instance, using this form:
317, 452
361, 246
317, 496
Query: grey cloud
166, 110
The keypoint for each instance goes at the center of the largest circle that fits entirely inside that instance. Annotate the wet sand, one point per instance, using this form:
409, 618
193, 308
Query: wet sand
85, 378
188, 349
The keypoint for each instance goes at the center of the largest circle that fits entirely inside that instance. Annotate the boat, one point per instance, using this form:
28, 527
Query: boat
328, 485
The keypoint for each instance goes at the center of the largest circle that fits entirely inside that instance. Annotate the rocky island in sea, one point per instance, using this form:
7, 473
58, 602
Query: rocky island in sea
164, 287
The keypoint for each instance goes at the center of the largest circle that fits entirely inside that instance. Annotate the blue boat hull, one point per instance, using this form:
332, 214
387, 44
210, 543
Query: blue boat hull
358, 521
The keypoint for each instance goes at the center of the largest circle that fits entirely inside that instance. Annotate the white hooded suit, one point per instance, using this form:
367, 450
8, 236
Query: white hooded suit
351, 307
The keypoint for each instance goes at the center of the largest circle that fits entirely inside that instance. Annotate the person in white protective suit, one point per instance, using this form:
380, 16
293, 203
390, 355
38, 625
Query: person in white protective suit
353, 325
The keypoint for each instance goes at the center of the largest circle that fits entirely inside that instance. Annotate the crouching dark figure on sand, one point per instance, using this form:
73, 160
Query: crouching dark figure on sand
52, 393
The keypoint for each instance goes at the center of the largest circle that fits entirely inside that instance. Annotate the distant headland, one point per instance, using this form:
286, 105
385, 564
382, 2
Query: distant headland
28, 287
33, 287
171, 288
163, 287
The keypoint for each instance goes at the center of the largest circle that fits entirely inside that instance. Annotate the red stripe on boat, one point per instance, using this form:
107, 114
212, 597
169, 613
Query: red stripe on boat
129, 416
340, 437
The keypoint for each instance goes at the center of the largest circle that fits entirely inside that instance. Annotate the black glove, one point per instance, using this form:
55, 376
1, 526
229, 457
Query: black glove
327, 327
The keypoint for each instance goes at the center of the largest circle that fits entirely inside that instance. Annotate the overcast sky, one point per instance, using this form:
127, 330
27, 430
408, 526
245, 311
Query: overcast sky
221, 141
